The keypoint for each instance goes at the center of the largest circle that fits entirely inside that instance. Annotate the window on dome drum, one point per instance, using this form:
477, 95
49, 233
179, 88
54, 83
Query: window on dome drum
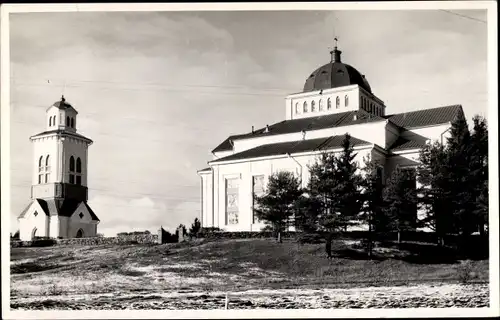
50, 122
257, 190
346, 101
305, 107
320, 105
232, 203
313, 106
72, 122
337, 102
297, 109
67, 122
328, 104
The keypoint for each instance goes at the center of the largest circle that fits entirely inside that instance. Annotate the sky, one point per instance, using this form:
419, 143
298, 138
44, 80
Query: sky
157, 91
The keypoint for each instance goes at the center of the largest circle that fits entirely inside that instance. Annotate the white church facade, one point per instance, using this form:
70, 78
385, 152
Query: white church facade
336, 99
58, 207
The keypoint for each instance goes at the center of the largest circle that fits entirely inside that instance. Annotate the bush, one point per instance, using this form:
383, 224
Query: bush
310, 238
464, 271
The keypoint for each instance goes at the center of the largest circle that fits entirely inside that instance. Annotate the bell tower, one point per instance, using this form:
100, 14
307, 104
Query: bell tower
60, 156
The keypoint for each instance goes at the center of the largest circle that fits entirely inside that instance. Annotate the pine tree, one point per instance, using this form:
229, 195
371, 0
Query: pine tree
372, 212
279, 204
400, 198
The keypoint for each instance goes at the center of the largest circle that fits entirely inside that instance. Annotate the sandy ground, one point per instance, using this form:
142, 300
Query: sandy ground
421, 296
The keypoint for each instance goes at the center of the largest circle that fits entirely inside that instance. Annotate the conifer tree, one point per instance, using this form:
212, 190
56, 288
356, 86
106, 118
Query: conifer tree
334, 190
372, 211
400, 198
279, 203
479, 171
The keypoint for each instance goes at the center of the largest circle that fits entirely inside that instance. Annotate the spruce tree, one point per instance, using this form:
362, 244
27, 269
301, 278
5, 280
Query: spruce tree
279, 203
372, 211
479, 171
334, 190
400, 198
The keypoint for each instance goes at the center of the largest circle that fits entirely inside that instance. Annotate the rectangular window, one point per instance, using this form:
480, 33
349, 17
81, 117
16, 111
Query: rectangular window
47, 176
78, 180
232, 201
72, 178
40, 178
257, 190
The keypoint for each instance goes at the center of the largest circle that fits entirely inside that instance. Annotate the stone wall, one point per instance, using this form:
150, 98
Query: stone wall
129, 239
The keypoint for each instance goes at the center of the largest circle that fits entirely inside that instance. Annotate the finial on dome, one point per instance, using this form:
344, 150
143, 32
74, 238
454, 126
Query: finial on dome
62, 98
335, 53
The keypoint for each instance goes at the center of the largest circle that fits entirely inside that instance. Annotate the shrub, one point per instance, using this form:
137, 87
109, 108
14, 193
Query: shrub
464, 271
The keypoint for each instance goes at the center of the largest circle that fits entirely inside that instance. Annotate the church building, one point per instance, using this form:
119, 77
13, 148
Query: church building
58, 207
336, 99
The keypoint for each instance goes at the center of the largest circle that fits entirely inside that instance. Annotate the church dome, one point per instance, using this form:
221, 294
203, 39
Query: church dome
335, 74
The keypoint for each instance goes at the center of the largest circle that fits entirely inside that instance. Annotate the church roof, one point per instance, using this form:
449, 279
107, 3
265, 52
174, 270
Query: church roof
407, 120
406, 143
305, 124
64, 208
335, 74
62, 132
291, 147
425, 117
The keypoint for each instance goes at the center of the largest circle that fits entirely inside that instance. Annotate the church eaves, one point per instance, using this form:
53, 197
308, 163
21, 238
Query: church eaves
425, 117
292, 147
305, 124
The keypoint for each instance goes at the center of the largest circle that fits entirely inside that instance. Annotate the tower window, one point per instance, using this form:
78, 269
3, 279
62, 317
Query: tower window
78, 165
47, 169
50, 121
320, 105
328, 104
305, 106
72, 122
67, 122
79, 180
40, 170
346, 100
313, 106
71, 164
72, 178
337, 102
297, 110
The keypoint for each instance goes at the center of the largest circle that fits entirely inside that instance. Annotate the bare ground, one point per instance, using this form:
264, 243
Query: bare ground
252, 273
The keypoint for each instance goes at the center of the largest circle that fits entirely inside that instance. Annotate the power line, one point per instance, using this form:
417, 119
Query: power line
463, 16
167, 84
158, 89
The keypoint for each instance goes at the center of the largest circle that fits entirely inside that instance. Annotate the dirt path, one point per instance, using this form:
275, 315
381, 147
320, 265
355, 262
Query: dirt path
417, 296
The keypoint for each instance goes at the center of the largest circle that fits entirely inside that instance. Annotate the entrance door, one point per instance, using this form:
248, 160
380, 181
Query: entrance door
79, 233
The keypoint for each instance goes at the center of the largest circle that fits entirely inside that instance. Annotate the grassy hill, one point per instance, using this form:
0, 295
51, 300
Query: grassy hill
44, 275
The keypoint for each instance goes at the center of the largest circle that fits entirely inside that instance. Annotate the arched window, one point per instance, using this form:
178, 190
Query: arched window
54, 120
47, 169
297, 110
72, 122
71, 170
78, 165
67, 122
337, 102
33, 233
320, 105
40, 170
50, 121
346, 100
305, 106
313, 106
328, 104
